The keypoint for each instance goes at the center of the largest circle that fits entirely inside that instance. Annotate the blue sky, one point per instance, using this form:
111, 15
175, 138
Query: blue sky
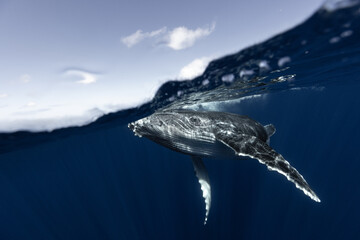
59, 59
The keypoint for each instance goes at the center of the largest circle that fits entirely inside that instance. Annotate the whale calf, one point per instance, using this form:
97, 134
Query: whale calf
216, 134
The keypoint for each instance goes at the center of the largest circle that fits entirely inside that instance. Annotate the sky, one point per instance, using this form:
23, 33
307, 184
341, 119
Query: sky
75, 60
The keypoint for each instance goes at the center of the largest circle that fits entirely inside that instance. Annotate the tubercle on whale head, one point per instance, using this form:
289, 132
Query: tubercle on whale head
134, 127
131, 126
147, 126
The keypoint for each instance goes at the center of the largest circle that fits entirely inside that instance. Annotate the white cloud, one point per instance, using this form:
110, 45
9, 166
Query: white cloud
133, 39
86, 77
3, 95
194, 69
25, 78
179, 38
30, 104
182, 37
139, 36
156, 32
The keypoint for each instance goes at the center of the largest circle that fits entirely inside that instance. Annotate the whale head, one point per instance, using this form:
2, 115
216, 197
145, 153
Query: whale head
182, 131
164, 124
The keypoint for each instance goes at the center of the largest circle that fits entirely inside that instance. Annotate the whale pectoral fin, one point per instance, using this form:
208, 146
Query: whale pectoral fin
245, 145
203, 177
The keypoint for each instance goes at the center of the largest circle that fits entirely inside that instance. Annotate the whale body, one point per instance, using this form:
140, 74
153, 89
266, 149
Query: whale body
216, 134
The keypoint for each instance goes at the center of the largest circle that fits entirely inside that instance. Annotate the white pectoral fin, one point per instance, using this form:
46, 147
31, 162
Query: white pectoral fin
245, 145
203, 177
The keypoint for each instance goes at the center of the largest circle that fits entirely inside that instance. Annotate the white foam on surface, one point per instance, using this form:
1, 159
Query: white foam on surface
205, 82
228, 78
246, 72
346, 33
334, 40
264, 65
333, 5
284, 60
218, 106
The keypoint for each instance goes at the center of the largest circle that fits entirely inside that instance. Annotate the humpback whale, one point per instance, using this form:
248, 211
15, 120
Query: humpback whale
216, 134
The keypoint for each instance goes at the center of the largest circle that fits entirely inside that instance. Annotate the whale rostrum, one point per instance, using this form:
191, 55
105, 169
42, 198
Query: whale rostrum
216, 134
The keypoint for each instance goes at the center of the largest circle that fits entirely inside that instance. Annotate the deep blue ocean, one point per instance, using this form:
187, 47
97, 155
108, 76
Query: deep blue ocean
101, 182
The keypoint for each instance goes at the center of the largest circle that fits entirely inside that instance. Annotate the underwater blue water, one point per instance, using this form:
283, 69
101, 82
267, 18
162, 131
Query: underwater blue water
101, 182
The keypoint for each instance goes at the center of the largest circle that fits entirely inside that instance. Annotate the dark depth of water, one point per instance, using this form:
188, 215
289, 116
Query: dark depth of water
102, 182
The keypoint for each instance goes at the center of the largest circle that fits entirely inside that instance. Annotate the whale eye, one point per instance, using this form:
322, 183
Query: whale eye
195, 120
